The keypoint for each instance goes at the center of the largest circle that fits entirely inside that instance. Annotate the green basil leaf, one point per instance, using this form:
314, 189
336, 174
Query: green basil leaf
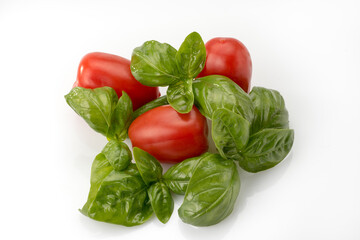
120, 118
266, 149
180, 95
150, 105
149, 168
101, 167
212, 192
269, 109
230, 133
95, 106
154, 64
118, 197
178, 176
215, 91
191, 55
118, 154
161, 201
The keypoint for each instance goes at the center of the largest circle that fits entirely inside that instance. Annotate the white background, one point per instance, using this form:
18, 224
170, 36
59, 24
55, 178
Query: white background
308, 50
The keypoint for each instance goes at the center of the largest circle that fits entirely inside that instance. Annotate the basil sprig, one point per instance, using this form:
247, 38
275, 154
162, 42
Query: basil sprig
117, 193
270, 140
151, 172
159, 64
245, 127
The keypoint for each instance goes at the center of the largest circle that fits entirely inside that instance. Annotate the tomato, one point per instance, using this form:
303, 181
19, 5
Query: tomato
230, 58
101, 69
168, 135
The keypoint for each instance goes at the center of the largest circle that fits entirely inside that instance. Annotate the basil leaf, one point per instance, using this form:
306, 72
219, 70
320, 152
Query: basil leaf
118, 154
121, 118
180, 95
101, 167
154, 64
212, 192
269, 109
149, 168
191, 55
215, 91
95, 106
266, 149
230, 133
150, 105
178, 176
161, 201
118, 197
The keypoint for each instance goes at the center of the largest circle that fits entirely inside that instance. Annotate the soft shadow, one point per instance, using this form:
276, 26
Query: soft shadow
253, 183
218, 231
106, 230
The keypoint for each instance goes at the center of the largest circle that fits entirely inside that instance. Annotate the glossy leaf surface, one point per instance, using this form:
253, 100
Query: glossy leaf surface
212, 192
149, 168
120, 119
191, 55
215, 92
118, 154
118, 197
154, 64
178, 176
230, 133
95, 106
180, 95
100, 168
266, 149
161, 201
269, 109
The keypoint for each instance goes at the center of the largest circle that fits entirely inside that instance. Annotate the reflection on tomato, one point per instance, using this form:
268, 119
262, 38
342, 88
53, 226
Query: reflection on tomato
101, 69
230, 58
168, 135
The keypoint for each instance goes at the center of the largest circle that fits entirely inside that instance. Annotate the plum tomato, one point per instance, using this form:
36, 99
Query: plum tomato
230, 58
170, 136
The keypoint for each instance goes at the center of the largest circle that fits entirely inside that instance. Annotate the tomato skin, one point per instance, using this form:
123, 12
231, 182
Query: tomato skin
230, 58
99, 69
170, 136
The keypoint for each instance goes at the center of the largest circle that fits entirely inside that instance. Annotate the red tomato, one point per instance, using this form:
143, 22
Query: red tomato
168, 135
101, 69
230, 58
